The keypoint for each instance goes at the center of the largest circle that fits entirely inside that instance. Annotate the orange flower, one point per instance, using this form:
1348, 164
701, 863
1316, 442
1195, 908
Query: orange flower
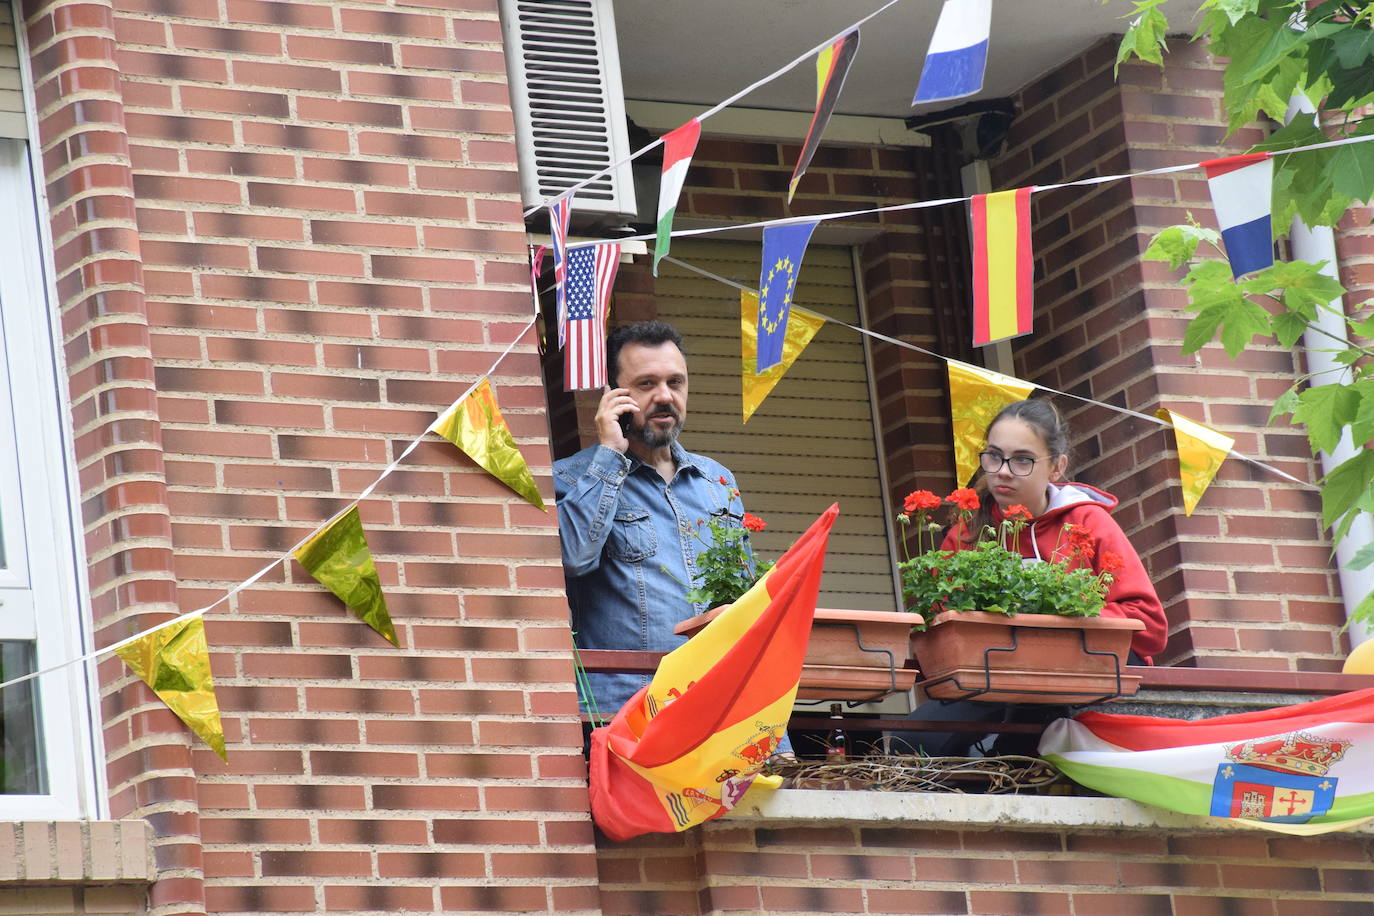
1017, 513
753, 522
964, 498
921, 501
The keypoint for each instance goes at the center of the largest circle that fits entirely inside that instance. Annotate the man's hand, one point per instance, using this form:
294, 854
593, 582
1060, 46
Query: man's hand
614, 403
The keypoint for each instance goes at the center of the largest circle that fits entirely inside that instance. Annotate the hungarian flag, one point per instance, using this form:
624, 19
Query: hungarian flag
686, 748
1302, 769
1002, 265
678, 147
1242, 189
832, 66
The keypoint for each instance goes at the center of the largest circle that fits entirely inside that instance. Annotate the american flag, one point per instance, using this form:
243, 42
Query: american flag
591, 274
559, 211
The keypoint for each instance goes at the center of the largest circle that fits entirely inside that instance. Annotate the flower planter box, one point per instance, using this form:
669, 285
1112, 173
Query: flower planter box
1025, 658
853, 655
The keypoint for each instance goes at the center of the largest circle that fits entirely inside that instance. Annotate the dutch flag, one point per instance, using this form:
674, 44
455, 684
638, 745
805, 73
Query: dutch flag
1242, 194
958, 52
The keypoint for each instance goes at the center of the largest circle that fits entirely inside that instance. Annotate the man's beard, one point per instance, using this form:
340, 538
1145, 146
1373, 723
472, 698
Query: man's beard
648, 435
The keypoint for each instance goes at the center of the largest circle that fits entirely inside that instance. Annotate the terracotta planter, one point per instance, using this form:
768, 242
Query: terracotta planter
1025, 658
853, 655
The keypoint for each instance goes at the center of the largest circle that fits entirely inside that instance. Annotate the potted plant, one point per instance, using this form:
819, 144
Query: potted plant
853, 655
997, 628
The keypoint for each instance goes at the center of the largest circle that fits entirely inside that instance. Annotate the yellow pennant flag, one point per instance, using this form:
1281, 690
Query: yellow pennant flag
175, 662
1201, 450
976, 395
476, 426
337, 555
801, 327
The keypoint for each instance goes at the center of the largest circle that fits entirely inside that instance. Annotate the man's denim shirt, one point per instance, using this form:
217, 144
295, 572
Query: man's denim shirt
630, 543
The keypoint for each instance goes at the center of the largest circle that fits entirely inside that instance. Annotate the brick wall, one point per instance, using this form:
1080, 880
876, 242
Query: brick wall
830, 867
1246, 579
328, 248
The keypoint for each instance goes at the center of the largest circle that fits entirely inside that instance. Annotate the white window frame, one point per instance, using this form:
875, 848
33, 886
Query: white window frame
44, 591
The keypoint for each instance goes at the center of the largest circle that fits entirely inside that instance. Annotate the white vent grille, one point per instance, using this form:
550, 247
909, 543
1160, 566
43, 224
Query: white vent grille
568, 104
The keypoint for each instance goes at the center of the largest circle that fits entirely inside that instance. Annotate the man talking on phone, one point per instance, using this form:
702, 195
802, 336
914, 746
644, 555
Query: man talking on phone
632, 508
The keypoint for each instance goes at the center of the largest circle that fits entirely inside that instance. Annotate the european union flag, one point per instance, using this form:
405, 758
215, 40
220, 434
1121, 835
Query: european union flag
783, 249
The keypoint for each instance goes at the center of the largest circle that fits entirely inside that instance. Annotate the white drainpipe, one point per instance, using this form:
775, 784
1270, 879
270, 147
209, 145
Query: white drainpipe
1319, 244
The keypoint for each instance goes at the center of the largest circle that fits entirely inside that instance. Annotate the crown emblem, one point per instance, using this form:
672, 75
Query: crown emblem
1295, 752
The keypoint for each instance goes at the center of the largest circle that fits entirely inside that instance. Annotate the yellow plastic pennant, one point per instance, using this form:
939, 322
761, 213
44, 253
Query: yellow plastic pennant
476, 426
175, 663
976, 395
801, 327
338, 557
1201, 450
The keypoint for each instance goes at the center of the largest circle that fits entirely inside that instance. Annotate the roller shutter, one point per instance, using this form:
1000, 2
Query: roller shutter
812, 441
12, 123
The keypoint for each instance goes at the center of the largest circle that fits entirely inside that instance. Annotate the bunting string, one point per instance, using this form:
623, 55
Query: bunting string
940, 356
924, 204
200, 612
715, 109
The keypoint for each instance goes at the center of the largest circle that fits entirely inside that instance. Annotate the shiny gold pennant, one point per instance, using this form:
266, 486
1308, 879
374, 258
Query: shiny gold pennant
1201, 450
976, 395
337, 555
476, 426
801, 327
175, 662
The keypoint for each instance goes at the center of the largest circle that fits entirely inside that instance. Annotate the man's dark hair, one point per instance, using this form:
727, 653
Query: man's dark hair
649, 333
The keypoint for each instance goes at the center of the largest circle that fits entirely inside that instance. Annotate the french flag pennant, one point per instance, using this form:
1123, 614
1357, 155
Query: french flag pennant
958, 52
1242, 190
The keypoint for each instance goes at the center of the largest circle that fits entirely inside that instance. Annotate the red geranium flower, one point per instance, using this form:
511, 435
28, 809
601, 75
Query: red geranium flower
1081, 542
921, 501
964, 498
1112, 562
753, 522
1017, 513
723, 481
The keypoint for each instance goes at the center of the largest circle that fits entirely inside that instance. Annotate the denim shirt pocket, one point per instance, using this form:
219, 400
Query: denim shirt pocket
632, 536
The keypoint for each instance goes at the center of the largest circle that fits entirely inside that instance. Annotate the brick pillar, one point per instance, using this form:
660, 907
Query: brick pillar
99, 277
1245, 580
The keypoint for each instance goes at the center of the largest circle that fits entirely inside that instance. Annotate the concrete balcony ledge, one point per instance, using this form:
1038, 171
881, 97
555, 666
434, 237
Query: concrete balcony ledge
76, 852
949, 810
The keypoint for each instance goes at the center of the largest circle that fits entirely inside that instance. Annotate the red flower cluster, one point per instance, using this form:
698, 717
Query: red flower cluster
1112, 563
1081, 543
921, 501
753, 522
723, 481
1017, 513
965, 498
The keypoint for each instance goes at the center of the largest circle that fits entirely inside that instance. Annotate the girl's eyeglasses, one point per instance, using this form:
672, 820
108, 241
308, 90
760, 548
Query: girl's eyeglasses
1021, 465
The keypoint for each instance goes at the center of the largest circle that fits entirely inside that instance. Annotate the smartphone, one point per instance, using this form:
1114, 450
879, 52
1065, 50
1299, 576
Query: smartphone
624, 420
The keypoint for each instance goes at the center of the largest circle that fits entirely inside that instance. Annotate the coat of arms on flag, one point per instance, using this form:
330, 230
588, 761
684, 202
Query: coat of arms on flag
1281, 779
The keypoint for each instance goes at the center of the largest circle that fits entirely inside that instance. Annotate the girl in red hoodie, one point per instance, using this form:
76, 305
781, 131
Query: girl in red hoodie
1023, 464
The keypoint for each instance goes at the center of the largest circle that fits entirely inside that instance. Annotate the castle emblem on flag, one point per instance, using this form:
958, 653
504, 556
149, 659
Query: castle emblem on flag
1278, 778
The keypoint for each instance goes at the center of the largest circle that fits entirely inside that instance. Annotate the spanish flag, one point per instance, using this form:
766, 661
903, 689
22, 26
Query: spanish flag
686, 748
1002, 265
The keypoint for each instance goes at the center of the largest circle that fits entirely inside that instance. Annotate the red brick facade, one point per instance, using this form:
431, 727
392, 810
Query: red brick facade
286, 233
